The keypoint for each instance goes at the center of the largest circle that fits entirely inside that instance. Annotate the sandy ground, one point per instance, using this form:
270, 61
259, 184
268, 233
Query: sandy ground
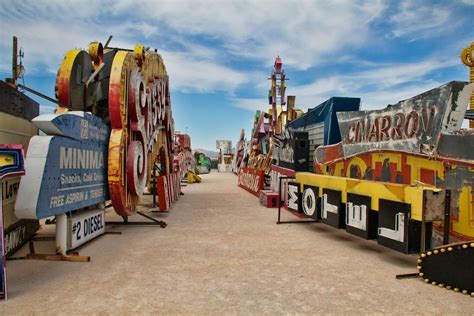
222, 253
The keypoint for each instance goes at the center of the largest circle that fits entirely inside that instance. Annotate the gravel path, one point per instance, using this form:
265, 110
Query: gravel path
222, 253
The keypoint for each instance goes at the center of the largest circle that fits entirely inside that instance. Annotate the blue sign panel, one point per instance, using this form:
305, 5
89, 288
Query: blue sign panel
78, 173
76, 125
64, 174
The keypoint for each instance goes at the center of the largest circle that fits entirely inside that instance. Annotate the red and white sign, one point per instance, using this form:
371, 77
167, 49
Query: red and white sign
251, 180
168, 190
275, 174
269, 199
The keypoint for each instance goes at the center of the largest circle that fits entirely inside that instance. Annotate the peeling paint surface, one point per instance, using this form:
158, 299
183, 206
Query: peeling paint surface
413, 125
416, 141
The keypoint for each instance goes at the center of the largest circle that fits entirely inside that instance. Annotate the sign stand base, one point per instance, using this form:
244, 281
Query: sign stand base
73, 257
153, 221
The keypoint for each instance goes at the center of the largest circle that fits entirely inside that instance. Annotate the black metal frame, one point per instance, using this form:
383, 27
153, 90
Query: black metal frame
279, 207
154, 182
447, 218
407, 276
154, 221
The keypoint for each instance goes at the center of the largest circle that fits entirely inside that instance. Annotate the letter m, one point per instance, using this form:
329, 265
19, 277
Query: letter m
65, 158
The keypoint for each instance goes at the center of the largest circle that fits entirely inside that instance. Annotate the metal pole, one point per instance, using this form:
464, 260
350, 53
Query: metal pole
38, 93
423, 224
61, 234
108, 41
447, 217
279, 197
119, 48
14, 60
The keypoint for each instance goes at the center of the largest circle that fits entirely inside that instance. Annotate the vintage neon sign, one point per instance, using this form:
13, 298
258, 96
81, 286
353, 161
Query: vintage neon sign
275, 174
137, 104
412, 125
169, 188
11, 165
398, 126
131, 143
65, 169
251, 180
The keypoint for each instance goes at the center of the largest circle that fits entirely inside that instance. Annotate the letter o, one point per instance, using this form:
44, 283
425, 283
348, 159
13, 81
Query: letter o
309, 202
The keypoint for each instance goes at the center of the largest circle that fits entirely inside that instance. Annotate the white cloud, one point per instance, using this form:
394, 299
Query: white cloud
48, 34
190, 75
378, 99
251, 104
416, 20
305, 33
301, 31
377, 87
395, 74
384, 84
374, 98
44, 45
46, 30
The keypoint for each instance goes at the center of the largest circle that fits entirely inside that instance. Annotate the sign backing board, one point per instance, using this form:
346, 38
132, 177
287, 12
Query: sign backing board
63, 175
76, 230
86, 226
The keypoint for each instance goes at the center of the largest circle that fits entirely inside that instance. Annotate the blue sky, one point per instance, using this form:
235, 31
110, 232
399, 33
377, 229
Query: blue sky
219, 54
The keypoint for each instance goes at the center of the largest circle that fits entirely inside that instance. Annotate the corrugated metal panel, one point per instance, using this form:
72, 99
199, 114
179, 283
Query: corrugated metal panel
326, 113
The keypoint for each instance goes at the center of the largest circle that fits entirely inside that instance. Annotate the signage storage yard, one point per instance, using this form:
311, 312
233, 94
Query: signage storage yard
232, 257
355, 205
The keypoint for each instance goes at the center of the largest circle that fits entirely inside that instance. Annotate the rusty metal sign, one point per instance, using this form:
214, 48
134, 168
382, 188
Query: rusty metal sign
434, 204
412, 125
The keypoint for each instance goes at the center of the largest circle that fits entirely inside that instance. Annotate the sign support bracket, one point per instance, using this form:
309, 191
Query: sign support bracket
74, 257
152, 222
